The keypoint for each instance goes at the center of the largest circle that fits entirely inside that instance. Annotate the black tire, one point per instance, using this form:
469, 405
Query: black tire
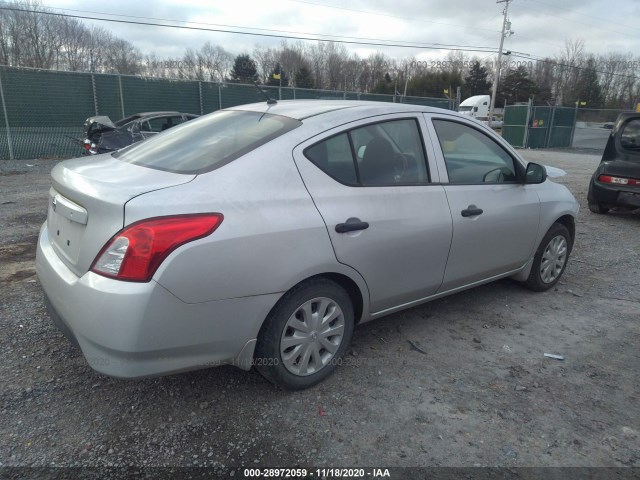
268, 358
598, 208
535, 281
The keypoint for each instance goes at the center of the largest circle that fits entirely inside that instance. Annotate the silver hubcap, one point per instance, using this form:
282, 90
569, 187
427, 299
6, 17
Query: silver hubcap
312, 336
553, 259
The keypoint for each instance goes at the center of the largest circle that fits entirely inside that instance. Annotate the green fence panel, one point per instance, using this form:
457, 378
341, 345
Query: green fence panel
155, 94
514, 128
430, 102
210, 97
108, 96
235, 94
376, 97
562, 127
539, 123
45, 107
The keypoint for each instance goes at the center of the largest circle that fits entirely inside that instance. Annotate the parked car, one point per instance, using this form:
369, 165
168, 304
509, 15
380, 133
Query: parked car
260, 235
101, 135
616, 181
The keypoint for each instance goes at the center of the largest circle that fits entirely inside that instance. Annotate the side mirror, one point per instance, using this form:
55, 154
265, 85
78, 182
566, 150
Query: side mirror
361, 151
536, 173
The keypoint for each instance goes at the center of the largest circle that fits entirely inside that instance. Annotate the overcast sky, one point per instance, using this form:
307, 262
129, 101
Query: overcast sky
541, 26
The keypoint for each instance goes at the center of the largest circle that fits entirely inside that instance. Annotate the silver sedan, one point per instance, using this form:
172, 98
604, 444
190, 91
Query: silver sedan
260, 235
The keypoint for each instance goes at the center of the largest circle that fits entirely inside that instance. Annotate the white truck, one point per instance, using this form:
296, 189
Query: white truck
476, 106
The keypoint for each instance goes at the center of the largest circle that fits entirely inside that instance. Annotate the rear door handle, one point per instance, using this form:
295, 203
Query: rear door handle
351, 225
471, 211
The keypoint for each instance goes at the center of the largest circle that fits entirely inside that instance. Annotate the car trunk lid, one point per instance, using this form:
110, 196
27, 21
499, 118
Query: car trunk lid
96, 125
87, 201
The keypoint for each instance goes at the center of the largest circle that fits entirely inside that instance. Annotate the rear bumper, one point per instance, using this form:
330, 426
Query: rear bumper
614, 195
132, 330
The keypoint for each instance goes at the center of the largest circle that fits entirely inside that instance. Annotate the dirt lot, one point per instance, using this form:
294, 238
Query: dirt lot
461, 381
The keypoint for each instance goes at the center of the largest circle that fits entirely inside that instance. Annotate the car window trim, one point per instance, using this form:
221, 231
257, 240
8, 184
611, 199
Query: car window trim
516, 163
354, 157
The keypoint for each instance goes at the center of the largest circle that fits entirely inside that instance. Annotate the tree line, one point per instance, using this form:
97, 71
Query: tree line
35, 39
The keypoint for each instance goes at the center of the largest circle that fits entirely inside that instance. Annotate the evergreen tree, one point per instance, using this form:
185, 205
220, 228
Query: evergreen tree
433, 84
244, 70
476, 82
588, 88
516, 86
273, 81
304, 79
384, 86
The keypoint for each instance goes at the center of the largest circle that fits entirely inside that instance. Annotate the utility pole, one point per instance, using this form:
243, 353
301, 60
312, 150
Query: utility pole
494, 88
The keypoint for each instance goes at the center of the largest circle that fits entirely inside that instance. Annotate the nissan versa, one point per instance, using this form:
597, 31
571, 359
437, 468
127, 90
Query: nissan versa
260, 235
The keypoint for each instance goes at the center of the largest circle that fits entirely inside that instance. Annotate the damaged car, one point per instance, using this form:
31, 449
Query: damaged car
616, 182
102, 135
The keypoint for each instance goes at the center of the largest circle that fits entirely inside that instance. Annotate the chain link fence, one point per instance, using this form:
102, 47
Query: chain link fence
44, 110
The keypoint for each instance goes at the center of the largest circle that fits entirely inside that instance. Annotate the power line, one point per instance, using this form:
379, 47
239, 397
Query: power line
553, 62
369, 12
444, 45
272, 35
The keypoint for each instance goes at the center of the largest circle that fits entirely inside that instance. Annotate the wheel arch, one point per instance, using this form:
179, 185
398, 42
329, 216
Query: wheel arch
570, 223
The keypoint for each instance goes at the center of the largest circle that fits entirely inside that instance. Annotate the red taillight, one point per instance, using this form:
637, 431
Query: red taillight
618, 180
135, 253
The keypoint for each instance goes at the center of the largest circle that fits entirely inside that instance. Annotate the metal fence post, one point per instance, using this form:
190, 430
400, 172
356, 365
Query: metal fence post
525, 140
219, 96
550, 131
200, 95
121, 95
95, 95
575, 120
6, 119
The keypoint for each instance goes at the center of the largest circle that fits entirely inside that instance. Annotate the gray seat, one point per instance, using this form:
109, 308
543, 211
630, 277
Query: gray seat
377, 163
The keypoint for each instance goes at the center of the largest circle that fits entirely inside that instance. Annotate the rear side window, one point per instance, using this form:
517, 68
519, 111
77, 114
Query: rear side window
381, 154
630, 136
208, 142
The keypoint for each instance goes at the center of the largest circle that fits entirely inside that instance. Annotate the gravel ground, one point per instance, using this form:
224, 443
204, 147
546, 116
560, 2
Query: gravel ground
461, 381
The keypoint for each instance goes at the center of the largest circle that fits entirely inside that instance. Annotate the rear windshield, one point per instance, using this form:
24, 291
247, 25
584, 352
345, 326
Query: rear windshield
207, 142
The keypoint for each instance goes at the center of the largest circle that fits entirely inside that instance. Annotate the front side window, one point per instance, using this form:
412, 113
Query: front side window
207, 142
381, 154
472, 157
630, 135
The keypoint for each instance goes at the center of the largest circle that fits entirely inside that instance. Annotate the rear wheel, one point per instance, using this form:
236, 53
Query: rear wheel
598, 208
550, 259
305, 335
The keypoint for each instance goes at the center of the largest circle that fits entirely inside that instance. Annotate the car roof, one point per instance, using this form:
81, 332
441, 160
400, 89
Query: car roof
302, 109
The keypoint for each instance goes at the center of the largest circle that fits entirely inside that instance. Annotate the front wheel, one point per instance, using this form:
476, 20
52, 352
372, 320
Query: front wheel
550, 259
305, 335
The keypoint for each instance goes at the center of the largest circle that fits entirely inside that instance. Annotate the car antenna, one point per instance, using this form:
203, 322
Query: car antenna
270, 101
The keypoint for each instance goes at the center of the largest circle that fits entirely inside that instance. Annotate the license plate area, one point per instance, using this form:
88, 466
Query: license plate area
66, 223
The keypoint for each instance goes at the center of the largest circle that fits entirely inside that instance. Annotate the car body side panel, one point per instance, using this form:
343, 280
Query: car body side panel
147, 331
500, 240
403, 252
271, 238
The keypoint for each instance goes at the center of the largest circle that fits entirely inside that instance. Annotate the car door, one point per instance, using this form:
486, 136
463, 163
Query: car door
495, 216
376, 188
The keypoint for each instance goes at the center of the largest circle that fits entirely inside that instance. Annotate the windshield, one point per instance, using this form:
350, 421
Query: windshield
208, 142
465, 108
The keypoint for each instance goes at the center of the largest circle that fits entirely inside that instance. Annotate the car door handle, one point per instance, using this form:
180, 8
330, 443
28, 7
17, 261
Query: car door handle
471, 211
351, 226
